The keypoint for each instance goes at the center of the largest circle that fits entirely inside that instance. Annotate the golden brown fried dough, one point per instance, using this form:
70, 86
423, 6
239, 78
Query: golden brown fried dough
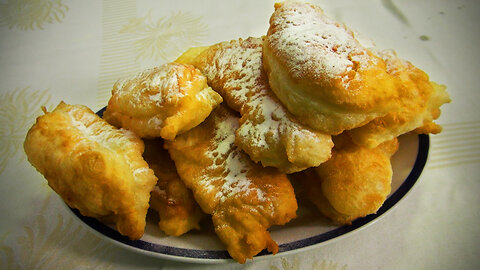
420, 101
161, 102
321, 73
243, 198
93, 166
268, 133
354, 183
174, 202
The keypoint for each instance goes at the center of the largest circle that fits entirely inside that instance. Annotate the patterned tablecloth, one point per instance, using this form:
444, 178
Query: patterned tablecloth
53, 50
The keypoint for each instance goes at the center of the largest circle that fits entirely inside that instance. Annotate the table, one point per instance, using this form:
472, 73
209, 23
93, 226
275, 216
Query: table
74, 51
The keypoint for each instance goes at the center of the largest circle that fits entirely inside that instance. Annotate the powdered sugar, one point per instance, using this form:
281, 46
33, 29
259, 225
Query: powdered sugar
270, 119
313, 44
236, 180
225, 154
239, 66
237, 71
152, 87
140, 171
94, 129
89, 126
224, 138
392, 61
155, 121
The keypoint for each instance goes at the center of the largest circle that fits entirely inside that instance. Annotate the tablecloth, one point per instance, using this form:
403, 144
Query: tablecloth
54, 50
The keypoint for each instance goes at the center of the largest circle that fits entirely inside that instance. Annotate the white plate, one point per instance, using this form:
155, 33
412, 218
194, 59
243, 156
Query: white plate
308, 230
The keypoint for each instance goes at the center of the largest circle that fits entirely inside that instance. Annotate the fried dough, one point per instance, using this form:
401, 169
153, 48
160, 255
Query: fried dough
354, 183
268, 133
161, 102
321, 72
171, 199
93, 166
420, 101
243, 198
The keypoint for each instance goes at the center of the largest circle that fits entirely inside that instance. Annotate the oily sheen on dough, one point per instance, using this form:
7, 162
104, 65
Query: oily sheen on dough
171, 199
321, 72
355, 182
161, 102
420, 101
95, 167
244, 198
268, 133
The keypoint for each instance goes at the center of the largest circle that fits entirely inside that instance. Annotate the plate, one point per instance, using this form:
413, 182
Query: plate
308, 230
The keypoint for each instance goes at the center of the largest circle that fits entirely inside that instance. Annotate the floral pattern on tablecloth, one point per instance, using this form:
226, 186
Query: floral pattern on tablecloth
165, 37
31, 14
137, 34
18, 110
53, 240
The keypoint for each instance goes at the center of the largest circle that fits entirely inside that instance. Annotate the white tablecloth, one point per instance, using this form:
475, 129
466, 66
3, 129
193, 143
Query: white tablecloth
53, 50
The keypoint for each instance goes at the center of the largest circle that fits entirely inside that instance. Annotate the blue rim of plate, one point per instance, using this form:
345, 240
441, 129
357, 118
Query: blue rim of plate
403, 189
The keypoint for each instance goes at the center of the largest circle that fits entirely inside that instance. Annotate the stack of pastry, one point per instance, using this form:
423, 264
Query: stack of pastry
215, 133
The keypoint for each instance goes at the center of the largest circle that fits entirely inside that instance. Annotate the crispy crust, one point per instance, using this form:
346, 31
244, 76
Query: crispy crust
93, 166
177, 209
243, 198
420, 101
161, 102
355, 182
268, 133
321, 73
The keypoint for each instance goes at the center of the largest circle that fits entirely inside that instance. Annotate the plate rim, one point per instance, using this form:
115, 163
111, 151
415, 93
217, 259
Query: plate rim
220, 256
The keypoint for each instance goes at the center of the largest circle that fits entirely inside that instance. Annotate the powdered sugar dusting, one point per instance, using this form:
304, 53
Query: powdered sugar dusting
239, 65
89, 126
140, 171
237, 71
236, 164
392, 61
155, 121
224, 138
312, 43
94, 129
270, 120
152, 87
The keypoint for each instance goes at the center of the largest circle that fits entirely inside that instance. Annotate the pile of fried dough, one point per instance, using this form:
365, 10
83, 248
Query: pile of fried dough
215, 134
